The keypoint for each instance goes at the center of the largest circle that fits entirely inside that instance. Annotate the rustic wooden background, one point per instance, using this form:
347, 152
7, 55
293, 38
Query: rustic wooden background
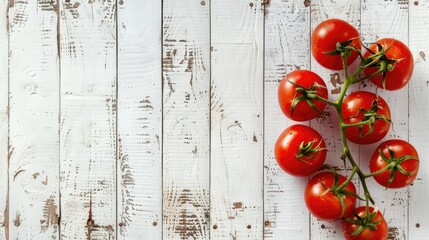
150, 119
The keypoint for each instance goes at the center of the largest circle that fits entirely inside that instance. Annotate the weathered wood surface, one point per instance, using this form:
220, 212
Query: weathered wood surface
186, 124
88, 119
124, 119
139, 168
33, 127
237, 119
4, 120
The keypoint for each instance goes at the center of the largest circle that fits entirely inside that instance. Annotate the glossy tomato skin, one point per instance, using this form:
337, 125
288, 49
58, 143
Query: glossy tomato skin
287, 93
287, 148
400, 148
380, 234
324, 39
402, 70
323, 204
351, 111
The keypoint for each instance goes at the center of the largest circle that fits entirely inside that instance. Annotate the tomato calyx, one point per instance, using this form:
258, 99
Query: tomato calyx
394, 164
370, 116
338, 190
379, 60
308, 150
364, 222
306, 94
343, 48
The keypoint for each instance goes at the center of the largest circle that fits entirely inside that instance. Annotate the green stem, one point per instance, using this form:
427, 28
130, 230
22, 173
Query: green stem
324, 100
346, 151
378, 172
361, 123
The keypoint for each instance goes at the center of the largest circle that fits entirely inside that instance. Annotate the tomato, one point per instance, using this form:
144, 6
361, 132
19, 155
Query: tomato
354, 108
287, 92
380, 233
300, 150
404, 156
322, 202
324, 39
402, 69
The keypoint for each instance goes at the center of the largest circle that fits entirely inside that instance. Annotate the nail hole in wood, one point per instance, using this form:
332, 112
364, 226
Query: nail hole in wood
154, 224
249, 227
90, 222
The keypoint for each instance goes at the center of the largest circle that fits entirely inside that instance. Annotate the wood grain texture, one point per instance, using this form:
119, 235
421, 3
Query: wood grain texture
186, 81
327, 123
139, 120
237, 119
287, 44
4, 118
34, 109
418, 223
388, 19
88, 119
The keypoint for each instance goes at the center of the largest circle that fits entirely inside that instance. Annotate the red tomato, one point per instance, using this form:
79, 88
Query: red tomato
288, 92
399, 149
354, 108
402, 69
322, 203
300, 150
380, 233
324, 39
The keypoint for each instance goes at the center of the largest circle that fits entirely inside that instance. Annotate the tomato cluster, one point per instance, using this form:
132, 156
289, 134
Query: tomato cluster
364, 118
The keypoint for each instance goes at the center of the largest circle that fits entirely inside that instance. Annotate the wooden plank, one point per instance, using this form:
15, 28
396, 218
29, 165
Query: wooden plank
88, 119
286, 23
34, 109
388, 19
237, 119
139, 120
418, 223
327, 123
186, 80
4, 119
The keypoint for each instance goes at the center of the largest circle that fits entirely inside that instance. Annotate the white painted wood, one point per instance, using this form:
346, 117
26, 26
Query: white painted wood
186, 80
4, 119
237, 119
286, 24
88, 119
34, 109
327, 123
388, 19
139, 120
418, 223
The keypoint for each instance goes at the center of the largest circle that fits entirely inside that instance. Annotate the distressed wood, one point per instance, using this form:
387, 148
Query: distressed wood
186, 80
139, 120
4, 119
88, 119
327, 123
388, 19
237, 119
287, 44
34, 109
418, 223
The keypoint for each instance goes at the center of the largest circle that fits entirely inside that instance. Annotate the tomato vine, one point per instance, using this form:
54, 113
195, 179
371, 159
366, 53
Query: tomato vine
364, 118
